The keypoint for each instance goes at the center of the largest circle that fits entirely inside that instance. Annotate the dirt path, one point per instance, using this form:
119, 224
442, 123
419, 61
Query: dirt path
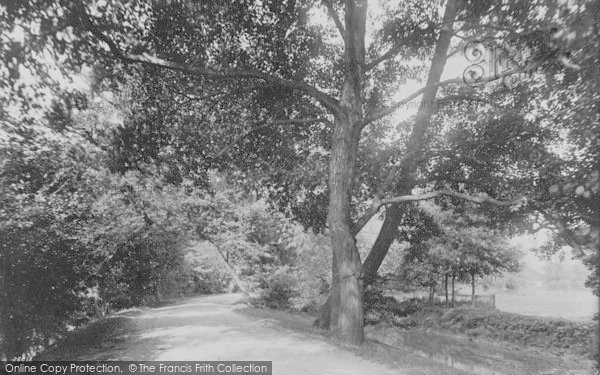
222, 328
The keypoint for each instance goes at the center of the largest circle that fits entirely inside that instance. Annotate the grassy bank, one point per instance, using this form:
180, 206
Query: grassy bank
558, 335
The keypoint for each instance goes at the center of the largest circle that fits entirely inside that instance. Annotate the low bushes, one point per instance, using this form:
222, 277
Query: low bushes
279, 290
577, 338
302, 281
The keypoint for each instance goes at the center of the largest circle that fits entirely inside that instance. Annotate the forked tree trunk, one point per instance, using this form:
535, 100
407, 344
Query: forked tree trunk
342, 313
372, 262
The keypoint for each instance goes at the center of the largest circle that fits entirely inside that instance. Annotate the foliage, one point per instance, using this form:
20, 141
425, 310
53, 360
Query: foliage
557, 335
43, 264
568, 189
139, 230
78, 239
313, 269
303, 282
204, 270
261, 91
280, 289
461, 248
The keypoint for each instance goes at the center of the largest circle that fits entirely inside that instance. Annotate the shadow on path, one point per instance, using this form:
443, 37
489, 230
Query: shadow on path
222, 327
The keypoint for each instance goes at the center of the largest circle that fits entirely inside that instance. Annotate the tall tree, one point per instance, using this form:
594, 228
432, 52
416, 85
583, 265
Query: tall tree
292, 72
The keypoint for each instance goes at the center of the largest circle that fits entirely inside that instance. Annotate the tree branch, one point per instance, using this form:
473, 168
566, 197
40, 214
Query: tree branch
483, 198
266, 125
145, 58
336, 19
376, 115
365, 217
381, 191
214, 95
393, 51
377, 203
564, 232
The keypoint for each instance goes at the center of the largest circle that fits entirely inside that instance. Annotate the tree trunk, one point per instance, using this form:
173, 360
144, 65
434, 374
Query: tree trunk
346, 304
446, 287
346, 300
431, 294
393, 216
453, 278
387, 235
473, 289
234, 276
157, 292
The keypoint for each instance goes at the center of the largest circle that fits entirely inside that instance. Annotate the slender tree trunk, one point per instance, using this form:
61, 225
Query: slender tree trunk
387, 235
231, 271
431, 294
446, 287
473, 289
453, 278
157, 292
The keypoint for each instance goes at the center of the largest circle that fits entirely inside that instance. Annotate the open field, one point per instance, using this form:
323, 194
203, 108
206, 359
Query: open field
580, 305
577, 305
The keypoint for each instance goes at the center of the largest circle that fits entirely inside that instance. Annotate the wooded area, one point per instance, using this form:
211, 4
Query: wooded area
251, 130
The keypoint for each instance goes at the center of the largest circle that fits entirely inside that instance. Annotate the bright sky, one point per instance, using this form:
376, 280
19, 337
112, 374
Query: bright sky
454, 67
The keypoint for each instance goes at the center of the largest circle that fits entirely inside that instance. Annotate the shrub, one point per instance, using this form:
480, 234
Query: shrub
312, 267
575, 337
280, 289
511, 284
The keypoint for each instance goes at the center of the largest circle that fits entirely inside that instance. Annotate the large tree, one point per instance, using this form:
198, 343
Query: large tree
270, 67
